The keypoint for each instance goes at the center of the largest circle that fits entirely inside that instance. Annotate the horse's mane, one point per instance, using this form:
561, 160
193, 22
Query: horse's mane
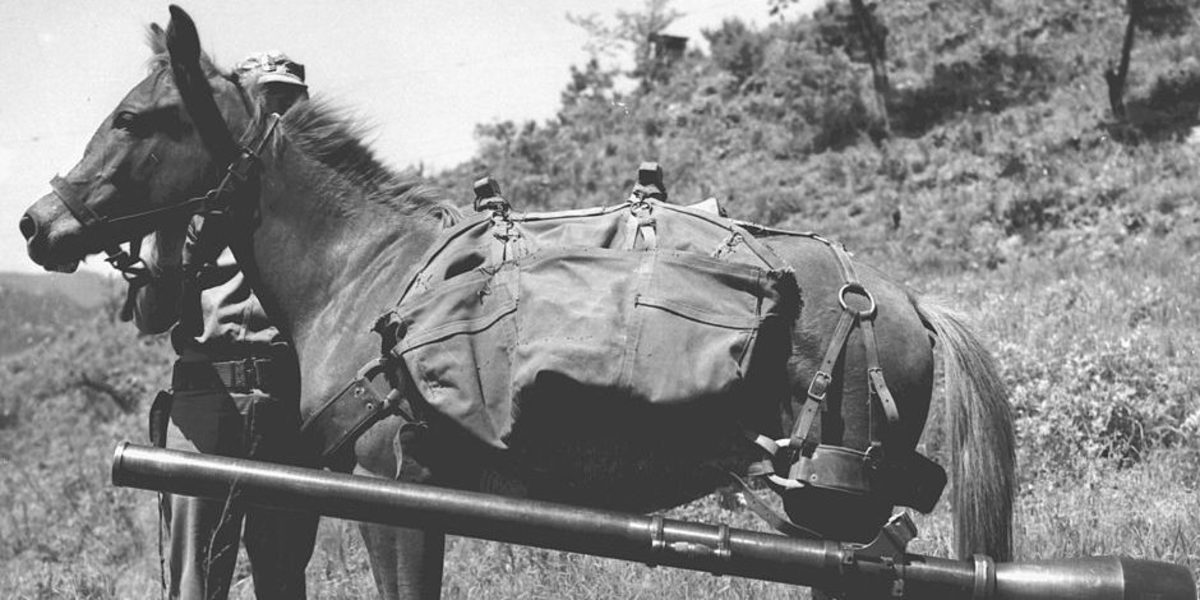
327, 135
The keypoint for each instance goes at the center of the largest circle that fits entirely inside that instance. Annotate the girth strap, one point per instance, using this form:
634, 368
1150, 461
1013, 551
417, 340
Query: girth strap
351, 412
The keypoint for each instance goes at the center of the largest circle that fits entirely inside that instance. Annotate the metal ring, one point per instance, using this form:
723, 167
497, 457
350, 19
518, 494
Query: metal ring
658, 538
724, 550
857, 288
985, 577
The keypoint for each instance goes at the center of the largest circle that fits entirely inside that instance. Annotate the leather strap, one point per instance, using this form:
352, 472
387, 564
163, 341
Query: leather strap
641, 224
804, 433
879, 386
509, 241
764, 511
352, 411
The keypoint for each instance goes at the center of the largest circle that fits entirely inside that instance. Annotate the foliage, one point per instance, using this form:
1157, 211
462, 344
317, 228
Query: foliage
633, 33
1164, 17
736, 49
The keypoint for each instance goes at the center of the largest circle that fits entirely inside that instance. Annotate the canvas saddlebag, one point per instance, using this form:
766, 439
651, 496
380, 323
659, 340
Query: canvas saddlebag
647, 301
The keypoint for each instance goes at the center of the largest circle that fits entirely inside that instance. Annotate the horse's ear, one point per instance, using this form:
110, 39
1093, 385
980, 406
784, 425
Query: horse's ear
157, 38
182, 40
183, 44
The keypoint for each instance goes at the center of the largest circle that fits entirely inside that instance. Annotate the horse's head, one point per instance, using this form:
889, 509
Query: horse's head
169, 140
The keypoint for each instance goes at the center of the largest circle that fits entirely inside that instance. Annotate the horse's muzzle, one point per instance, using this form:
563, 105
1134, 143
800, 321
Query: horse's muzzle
39, 244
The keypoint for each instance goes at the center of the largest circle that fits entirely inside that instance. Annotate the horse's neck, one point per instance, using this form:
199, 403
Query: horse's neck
330, 262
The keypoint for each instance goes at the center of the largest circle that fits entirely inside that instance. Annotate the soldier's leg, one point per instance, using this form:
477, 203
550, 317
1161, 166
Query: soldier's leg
203, 533
279, 543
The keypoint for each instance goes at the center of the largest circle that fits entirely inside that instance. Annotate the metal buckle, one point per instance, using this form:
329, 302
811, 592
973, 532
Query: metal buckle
237, 376
254, 376
240, 167
818, 388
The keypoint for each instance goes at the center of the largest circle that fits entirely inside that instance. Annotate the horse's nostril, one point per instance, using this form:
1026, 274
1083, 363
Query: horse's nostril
29, 227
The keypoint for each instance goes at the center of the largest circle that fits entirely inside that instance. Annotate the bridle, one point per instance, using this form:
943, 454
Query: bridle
241, 171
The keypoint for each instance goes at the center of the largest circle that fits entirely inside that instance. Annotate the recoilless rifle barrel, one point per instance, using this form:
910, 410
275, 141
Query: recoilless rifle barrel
879, 570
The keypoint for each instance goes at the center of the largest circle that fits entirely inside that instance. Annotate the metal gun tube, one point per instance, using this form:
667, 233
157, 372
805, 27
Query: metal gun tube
652, 540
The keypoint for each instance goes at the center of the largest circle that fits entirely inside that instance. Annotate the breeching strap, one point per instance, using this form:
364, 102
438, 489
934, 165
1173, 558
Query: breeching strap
803, 437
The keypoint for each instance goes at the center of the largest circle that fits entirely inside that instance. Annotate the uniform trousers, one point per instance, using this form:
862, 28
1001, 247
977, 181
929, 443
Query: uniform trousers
204, 533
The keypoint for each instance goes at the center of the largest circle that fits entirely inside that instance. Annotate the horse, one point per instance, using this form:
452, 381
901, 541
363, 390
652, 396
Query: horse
326, 233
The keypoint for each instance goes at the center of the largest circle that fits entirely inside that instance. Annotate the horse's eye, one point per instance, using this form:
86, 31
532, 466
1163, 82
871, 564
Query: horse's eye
124, 120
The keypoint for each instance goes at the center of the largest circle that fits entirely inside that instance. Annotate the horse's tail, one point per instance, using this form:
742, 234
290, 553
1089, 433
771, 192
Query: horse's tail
982, 443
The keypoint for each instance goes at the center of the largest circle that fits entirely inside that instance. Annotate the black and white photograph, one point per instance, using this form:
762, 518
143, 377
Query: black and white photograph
600, 299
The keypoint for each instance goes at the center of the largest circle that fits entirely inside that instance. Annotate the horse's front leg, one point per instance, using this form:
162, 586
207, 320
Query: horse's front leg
406, 563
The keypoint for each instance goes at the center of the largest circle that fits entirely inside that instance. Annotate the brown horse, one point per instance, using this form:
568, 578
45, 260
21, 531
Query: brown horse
327, 234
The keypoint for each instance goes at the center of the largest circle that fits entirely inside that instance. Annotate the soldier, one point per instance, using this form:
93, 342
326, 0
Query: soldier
234, 392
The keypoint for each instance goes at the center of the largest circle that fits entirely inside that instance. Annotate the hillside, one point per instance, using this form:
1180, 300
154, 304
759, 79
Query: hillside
85, 289
999, 141
34, 307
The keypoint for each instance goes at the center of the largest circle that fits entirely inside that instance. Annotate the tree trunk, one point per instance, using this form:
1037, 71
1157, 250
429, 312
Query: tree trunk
874, 42
1115, 77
